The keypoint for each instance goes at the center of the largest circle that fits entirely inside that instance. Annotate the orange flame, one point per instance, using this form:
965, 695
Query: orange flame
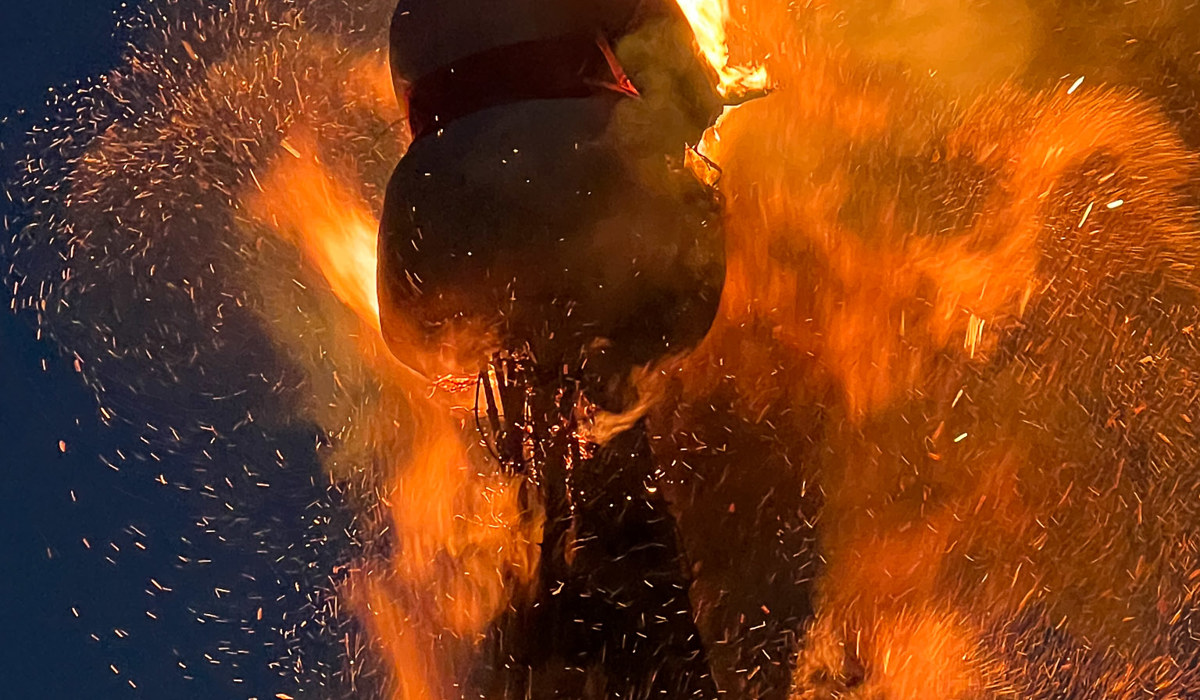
464, 544
708, 19
873, 302
329, 222
845, 264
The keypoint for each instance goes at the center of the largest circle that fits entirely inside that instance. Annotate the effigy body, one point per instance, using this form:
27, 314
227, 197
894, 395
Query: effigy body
554, 211
544, 200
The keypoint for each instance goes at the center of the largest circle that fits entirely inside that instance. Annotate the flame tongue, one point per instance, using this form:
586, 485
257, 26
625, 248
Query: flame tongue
301, 198
708, 19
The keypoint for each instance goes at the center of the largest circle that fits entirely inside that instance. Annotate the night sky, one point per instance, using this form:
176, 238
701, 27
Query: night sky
46, 652
53, 442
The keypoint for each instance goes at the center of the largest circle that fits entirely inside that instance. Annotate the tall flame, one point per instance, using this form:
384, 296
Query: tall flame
462, 543
708, 19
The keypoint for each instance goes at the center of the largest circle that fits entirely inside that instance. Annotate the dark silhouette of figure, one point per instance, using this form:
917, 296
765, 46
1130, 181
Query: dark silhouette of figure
544, 197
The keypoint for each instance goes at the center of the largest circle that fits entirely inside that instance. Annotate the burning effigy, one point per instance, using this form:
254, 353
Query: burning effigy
658, 349
543, 209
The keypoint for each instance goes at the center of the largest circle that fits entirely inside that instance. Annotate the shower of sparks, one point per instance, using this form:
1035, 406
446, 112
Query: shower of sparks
217, 339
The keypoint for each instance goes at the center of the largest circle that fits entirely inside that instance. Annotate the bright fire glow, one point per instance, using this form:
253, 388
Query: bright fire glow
331, 224
464, 543
708, 19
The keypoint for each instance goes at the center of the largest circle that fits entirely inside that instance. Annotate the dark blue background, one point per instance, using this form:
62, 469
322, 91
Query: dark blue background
45, 650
